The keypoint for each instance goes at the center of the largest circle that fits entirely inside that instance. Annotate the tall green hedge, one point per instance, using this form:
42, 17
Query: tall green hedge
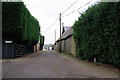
19, 24
96, 33
42, 38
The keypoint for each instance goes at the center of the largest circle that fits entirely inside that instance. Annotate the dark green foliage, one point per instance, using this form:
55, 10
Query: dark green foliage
42, 38
96, 33
19, 24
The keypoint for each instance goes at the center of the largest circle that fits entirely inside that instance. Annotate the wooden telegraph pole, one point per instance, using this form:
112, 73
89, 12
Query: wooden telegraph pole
60, 31
55, 35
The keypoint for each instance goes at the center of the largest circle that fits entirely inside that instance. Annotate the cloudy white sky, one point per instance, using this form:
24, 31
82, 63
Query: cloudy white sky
47, 12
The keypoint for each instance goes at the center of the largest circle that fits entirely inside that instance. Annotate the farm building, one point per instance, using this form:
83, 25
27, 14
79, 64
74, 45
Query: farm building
67, 42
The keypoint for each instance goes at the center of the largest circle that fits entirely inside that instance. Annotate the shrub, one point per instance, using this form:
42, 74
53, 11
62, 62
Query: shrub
96, 33
42, 38
19, 24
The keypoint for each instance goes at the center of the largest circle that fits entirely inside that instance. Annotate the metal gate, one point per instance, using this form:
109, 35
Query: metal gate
19, 50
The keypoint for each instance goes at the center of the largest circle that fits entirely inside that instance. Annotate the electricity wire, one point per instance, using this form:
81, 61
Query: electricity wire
51, 25
67, 14
69, 7
77, 9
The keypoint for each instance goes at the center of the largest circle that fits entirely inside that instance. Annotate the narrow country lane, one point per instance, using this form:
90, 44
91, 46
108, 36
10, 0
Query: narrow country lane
48, 64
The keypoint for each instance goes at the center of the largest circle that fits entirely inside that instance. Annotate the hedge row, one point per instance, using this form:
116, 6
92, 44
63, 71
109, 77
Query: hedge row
19, 24
42, 38
96, 33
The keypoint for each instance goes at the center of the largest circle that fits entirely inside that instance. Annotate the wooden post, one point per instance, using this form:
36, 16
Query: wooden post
60, 31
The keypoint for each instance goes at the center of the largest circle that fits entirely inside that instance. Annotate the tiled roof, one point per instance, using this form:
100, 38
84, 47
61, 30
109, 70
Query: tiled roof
65, 28
66, 33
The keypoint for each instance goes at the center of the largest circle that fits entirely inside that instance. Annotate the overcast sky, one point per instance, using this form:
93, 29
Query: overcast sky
47, 12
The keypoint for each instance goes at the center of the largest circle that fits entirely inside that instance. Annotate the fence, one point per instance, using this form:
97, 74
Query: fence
12, 50
19, 50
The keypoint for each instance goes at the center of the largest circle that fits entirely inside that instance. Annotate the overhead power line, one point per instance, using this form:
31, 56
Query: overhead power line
51, 25
69, 7
78, 9
67, 14
57, 18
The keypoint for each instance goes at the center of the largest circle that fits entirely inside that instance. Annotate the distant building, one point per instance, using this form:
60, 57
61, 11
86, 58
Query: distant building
36, 47
48, 47
67, 42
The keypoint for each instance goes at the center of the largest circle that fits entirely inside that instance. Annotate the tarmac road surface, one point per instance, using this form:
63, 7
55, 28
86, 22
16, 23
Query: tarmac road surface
48, 64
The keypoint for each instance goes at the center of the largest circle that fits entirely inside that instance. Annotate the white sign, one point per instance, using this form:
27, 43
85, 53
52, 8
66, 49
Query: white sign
11, 0
8, 41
